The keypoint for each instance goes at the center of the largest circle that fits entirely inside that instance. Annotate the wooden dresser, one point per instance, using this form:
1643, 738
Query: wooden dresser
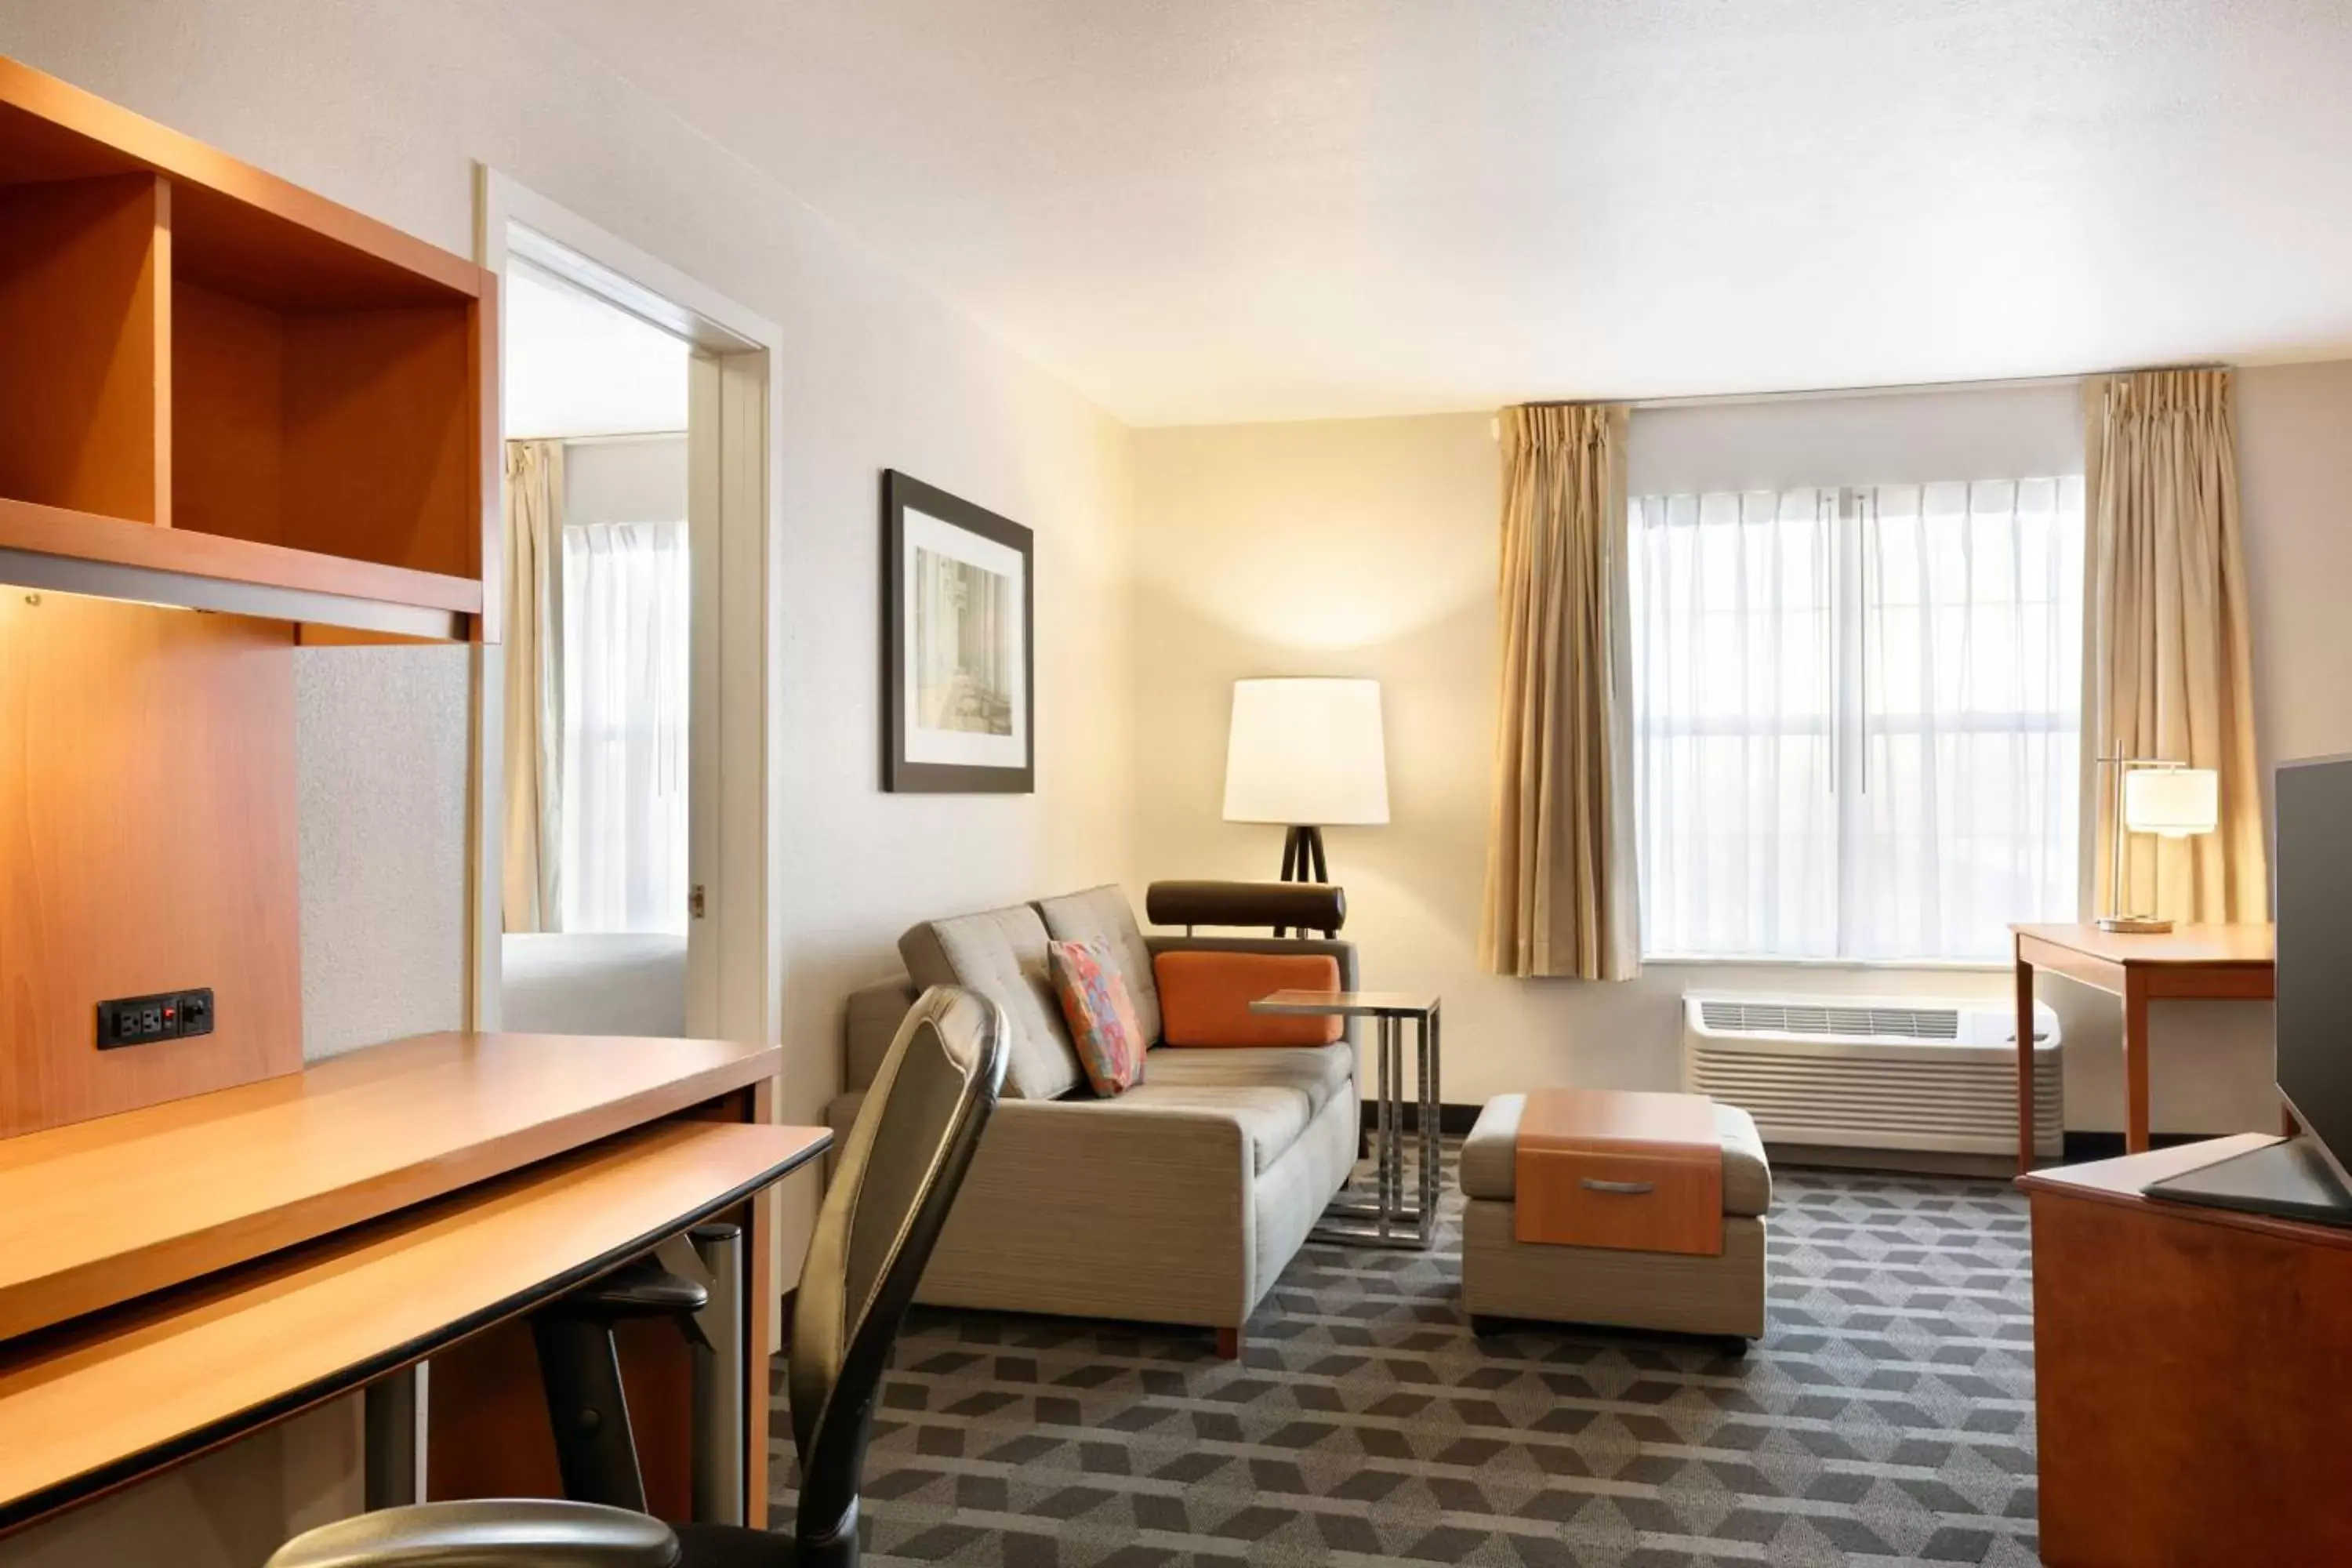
2192, 1372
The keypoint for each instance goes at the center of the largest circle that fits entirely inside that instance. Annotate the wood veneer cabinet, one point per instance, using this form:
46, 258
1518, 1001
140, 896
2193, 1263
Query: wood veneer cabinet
220, 391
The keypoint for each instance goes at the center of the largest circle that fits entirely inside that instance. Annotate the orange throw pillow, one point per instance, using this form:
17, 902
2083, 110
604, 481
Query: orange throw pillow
1204, 997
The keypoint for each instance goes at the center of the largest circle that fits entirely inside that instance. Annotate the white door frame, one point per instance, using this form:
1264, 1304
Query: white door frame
732, 386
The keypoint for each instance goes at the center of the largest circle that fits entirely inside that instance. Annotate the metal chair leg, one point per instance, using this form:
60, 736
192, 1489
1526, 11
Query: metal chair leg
580, 1367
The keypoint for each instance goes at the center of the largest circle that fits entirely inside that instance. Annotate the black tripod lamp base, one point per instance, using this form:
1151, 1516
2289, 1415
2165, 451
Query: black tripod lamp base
1302, 855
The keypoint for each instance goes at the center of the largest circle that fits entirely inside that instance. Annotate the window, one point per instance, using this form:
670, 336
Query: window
1857, 717
626, 597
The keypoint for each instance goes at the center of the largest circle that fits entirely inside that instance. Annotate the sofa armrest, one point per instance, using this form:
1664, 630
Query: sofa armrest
869, 1023
1096, 1209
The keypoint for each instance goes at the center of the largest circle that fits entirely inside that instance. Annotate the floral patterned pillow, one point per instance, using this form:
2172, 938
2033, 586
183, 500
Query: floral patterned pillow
1100, 1014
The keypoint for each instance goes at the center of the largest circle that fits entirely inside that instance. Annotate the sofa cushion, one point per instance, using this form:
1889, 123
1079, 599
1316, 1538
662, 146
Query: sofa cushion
1270, 1116
1001, 953
1101, 1017
1490, 1167
1318, 1072
1204, 998
1103, 915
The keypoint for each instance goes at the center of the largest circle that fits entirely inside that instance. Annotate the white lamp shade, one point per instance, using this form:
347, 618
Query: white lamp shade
1306, 753
2173, 801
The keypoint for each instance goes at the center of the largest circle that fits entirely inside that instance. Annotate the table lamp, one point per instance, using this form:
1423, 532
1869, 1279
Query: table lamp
2169, 799
1306, 753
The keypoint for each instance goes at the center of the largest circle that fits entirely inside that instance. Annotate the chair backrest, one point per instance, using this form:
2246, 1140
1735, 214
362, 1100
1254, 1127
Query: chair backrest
894, 1179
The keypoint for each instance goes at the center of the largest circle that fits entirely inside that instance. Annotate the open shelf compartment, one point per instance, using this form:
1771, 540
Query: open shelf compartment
218, 390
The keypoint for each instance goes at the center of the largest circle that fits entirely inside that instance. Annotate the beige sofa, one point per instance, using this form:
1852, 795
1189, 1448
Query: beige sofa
1178, 1202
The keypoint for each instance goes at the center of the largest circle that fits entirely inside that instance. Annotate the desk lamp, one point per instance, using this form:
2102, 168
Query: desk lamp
2169, 799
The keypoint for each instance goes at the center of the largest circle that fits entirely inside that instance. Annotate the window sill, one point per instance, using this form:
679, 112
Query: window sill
1710, 961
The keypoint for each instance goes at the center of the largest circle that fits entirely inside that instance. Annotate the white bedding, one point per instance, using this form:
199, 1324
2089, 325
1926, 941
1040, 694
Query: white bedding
594, 982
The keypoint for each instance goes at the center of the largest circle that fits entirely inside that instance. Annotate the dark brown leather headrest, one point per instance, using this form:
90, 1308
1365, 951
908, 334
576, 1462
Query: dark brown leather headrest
1310, 906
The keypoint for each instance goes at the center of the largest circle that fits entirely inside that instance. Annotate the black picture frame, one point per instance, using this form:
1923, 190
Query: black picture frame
904, 774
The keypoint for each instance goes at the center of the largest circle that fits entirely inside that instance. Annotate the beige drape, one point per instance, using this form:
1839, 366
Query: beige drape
1560, 889
2166, 672
534, 511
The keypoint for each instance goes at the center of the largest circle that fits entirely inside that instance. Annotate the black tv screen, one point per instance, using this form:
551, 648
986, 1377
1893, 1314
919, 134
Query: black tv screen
2315, 949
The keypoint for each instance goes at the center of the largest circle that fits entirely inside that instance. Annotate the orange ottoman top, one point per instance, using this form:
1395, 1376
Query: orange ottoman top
1204, 997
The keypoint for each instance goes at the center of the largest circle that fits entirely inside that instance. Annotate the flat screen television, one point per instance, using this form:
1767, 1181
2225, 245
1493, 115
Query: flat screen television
2305, 1177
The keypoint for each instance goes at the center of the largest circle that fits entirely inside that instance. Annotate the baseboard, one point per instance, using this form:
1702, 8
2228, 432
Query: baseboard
1900, 1161
2083, 1146
1453, 1120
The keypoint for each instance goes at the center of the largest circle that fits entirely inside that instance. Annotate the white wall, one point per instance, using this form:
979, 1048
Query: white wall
387, 105
1367, 547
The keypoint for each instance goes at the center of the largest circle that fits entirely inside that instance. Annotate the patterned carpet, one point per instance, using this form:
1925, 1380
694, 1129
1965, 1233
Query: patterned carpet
1887, 1417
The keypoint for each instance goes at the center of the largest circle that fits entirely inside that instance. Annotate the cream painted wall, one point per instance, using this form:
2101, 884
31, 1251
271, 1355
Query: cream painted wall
387, 105
1366, 548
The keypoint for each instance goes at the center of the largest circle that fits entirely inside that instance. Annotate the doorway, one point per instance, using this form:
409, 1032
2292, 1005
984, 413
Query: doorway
621, 877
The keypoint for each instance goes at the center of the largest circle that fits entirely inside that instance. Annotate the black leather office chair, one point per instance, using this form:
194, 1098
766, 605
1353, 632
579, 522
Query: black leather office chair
896, 1178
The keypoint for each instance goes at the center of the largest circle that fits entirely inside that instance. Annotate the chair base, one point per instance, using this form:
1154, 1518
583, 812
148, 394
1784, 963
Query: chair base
732, 1546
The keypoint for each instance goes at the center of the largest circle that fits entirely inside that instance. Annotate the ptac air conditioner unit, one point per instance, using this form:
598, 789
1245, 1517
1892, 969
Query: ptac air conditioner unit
1847, 1072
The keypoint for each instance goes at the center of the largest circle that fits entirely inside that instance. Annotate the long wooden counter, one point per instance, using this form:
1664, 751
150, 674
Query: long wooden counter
89, 1406
105, 1211
173, 1277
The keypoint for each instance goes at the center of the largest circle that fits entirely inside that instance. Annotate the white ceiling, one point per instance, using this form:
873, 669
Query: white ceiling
1209, 210
577, 366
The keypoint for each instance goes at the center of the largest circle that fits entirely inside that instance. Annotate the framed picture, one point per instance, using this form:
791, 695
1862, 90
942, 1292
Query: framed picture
959, 618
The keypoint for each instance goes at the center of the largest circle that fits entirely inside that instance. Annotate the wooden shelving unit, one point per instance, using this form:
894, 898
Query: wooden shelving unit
221, 391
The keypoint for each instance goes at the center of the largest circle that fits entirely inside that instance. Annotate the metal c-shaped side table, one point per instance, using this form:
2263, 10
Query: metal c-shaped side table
1383, 1217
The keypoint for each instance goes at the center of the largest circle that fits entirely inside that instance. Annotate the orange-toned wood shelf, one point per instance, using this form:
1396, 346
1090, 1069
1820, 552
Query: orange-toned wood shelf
98, 1212
212, 572
100, 1402
221, 391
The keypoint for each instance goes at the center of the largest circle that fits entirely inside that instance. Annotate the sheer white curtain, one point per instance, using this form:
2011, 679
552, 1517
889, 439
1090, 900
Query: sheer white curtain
1734, 658
1970, 710
627, 597
1857, 717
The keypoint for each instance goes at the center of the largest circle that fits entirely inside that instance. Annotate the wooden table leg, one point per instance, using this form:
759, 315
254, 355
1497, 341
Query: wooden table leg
2135, 1063
2024, 1065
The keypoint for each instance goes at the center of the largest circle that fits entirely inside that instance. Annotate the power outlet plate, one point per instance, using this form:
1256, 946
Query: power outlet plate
144, 1020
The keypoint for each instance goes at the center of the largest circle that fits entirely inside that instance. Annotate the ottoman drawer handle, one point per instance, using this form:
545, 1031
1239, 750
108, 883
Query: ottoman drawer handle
1627, 1189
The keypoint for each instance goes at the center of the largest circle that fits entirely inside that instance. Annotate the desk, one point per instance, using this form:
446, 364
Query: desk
2211, 963
173, 1277
2191, 1371
107, 1399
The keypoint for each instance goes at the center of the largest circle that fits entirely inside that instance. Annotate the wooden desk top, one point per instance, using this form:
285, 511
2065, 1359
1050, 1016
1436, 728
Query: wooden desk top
101, 1212
2188, 945
92, 1406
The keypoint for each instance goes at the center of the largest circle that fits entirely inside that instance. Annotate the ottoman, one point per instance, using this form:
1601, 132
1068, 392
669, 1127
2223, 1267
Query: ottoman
1503, 1277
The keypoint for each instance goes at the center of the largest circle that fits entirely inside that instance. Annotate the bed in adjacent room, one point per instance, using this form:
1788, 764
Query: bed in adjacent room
595, 983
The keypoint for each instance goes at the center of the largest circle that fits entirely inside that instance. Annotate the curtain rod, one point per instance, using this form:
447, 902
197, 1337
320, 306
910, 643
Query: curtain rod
1899, 389
1913, 389
1810, 395
619, 436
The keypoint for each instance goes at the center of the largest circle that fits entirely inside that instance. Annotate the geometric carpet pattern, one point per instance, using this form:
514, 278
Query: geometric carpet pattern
1886, 1417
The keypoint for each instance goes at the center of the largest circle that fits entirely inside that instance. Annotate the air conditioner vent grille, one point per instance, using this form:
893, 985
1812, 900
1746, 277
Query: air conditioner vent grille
1935, 1074
1847, 1023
